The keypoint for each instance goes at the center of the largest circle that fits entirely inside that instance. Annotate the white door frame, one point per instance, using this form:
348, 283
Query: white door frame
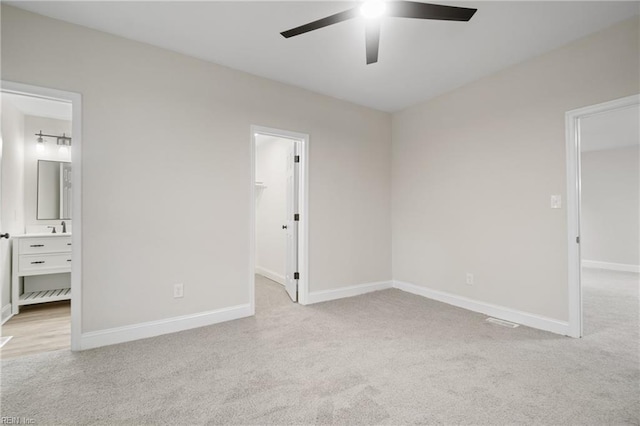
76, 152
303, 197
572, 125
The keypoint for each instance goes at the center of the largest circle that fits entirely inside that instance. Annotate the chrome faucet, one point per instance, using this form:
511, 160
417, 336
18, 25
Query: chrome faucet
53, 229
64, 227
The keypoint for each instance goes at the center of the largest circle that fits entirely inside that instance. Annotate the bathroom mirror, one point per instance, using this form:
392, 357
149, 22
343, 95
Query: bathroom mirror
54, 190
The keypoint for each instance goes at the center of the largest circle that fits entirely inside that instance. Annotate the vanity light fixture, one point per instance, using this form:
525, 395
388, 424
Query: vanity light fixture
64, 142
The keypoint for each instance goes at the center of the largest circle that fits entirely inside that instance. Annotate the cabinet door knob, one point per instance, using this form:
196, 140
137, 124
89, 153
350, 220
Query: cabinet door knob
5, 235
284, 226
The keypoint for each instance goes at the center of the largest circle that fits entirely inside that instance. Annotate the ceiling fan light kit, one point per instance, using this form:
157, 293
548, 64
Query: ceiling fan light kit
371, 10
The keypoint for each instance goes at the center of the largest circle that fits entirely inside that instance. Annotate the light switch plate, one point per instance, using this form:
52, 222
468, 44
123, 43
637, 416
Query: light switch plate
556, 201
178, 290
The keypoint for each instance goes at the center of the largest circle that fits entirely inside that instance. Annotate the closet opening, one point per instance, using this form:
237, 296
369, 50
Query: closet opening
279, 216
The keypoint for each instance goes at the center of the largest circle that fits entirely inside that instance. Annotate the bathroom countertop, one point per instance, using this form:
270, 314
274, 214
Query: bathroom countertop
40, 235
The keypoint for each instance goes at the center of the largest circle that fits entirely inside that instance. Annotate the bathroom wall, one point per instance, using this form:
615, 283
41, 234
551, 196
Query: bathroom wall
166, 172
12, 201
610, 203
48, 126
271, 169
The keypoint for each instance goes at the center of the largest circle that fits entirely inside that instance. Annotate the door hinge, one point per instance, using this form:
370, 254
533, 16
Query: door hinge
296, 217
578, 240
296, 159
296, 275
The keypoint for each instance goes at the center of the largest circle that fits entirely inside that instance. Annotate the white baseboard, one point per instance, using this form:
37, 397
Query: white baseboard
501, 312
354, 290
6, 313
270, 274
95, 339
611, 266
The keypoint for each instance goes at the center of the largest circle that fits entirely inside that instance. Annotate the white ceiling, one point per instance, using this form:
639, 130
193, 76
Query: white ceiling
39, 107
418, 59
610, 130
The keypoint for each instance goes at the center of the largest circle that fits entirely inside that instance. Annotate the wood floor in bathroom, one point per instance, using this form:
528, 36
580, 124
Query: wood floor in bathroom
38, 328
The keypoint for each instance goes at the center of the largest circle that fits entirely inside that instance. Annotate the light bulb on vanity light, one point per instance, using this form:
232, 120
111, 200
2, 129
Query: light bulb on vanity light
39, 142
64, 143
63, 151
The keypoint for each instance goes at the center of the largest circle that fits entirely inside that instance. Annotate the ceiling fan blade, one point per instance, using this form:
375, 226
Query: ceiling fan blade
372, 36
321, 23
412, 9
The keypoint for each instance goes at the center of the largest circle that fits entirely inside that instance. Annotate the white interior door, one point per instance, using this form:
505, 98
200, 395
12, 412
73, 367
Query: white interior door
291, 226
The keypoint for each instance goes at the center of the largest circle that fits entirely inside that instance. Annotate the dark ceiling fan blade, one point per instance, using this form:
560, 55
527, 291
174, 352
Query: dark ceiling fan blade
320, 23
372, 36
412, 9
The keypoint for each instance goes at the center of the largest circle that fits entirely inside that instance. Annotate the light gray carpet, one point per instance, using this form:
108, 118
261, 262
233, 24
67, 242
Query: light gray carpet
384, 358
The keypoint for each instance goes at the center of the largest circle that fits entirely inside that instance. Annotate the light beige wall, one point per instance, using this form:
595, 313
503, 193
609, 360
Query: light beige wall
610, 203
32, 126
166, 171
12, 191
473, 171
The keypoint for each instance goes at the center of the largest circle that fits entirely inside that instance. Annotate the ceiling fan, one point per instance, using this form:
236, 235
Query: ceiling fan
373, 10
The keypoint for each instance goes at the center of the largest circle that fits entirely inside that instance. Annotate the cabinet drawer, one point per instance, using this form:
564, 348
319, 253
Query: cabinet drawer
45, 245
36, 262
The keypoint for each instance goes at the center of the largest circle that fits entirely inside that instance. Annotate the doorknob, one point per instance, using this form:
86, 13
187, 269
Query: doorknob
5, 235
283, 227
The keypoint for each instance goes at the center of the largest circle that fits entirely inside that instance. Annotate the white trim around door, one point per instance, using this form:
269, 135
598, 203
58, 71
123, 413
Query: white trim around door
572, 126
303, 194
75, 99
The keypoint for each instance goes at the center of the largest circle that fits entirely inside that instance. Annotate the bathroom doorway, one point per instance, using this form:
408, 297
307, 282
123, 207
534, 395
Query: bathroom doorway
40, 204
279, 223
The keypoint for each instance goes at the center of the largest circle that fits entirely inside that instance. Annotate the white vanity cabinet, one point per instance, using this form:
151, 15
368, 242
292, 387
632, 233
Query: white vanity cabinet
39, 254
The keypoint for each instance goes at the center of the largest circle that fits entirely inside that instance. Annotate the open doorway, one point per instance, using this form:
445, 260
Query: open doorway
279, 222
603, 154
39, 220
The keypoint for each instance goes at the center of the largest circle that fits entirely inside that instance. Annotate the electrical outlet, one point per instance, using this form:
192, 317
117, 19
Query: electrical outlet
556, 201
469, 278
178, 290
